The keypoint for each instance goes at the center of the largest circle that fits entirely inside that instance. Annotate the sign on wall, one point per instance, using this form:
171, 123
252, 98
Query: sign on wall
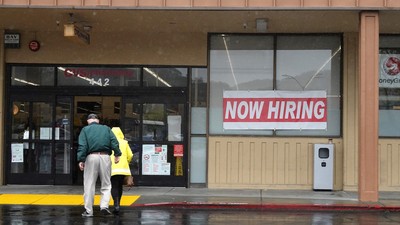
389, 70
274, 110
12, 40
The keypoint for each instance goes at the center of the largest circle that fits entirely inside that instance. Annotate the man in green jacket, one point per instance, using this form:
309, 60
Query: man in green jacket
96, 143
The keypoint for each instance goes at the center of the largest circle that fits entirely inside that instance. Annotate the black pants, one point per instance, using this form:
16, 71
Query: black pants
117, 182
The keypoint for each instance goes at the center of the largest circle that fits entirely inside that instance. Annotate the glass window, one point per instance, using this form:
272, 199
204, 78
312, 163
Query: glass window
199, 101
42, 120
63, 158
389, 86
20, 120
238, 63
165, 77
305, 63
284, 63
132, 121
163, 122
32, 76
98, 76
198, 160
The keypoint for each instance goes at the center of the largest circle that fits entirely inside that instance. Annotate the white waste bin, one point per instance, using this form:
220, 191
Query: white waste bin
323, 166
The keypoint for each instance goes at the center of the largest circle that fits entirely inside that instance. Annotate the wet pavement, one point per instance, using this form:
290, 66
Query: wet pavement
47, 205
70, 215
168, 197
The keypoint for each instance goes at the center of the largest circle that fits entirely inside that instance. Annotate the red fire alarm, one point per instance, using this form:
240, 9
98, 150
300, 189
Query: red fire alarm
34, 45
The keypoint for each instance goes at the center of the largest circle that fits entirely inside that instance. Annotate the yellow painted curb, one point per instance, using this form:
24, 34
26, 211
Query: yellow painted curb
56, 199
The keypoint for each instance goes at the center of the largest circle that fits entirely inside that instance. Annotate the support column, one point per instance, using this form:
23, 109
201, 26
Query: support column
368, 107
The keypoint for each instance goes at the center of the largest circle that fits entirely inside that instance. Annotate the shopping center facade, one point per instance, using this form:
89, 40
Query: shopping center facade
180, 77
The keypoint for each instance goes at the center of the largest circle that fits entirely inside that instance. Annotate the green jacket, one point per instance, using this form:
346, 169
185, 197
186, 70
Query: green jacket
96, 138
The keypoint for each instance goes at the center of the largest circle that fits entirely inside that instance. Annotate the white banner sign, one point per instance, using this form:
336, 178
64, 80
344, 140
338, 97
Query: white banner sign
274, 110
389, 70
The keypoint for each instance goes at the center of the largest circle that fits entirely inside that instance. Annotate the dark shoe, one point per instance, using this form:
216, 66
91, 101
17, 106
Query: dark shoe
116, 210
86, 214
105, 212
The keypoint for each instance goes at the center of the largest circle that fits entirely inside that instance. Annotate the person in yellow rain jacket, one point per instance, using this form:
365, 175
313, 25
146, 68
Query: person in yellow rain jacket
120, 170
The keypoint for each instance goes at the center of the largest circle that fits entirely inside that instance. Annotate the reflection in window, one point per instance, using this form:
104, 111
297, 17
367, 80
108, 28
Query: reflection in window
20, 120
154, 124
314, 65
98, 76
132, 122
42, 120
238, 62
32, 76
62, 158
165, 77
281, 62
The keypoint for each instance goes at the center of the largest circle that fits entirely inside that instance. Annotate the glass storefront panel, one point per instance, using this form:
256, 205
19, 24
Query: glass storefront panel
314, 65
20, 120
275, 62
389, 86
132, 121
63, 115
98, 76
63, 158
45, 128
42, 120
154, 124
199, 101
238, 62
33, 158
32, 76
198, 160
165, 77
162, 122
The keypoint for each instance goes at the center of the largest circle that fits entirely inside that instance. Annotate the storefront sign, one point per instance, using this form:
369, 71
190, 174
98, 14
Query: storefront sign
178, 150
12, 40
154, 160
17, 152
274, 110
389, 70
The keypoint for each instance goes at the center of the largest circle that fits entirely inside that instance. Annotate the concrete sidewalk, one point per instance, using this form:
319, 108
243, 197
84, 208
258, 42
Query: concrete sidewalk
232, 198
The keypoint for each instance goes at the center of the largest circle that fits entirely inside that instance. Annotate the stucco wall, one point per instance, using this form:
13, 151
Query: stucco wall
267, 163
114, 48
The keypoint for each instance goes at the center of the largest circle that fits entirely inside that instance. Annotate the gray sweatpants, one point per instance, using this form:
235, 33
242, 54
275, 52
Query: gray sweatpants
97, 166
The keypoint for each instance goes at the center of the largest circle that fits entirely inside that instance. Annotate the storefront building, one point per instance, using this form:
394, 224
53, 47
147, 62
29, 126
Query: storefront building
189, 82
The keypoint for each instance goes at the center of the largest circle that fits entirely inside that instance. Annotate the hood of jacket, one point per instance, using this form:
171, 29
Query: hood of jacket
118, 132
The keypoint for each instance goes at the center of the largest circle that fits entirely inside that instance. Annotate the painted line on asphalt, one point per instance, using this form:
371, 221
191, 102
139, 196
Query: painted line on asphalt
57, 199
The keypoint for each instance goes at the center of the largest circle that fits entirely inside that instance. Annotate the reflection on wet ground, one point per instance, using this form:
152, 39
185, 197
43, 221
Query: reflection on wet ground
60, 215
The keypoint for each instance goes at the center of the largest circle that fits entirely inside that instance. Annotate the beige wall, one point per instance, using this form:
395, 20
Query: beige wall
114, 48
267, 163
350, 111
389, 164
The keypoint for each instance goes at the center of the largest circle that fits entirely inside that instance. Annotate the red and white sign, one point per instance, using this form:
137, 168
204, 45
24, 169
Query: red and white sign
274, 110
389, 71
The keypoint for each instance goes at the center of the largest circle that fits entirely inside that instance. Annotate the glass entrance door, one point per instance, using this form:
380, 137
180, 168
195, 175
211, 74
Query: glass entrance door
39, 148
156, 128
108, 110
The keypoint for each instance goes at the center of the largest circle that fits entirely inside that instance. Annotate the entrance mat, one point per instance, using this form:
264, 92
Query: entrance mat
56, 199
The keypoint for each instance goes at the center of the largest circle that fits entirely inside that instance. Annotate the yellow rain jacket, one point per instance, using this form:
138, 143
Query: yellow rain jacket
121, 168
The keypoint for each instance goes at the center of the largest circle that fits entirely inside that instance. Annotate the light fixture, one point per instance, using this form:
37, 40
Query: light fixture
261, 25
69, 30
